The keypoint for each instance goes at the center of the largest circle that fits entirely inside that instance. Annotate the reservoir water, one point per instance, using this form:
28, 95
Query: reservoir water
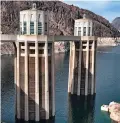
70, 109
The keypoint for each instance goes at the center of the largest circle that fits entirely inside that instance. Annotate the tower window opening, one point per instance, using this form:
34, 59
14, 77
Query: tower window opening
45, 26
84, 42
24, 27
31, 27
20, 27
79, 31
21, 30
39, 16
90, 42
84, 31
32, 51
88, 31
39, 28
34, 6
84, 47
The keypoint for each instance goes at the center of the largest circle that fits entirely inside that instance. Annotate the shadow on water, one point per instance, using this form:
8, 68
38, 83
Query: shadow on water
77, 106
31, 111
81, 109
8, 96
7, 89
59, 61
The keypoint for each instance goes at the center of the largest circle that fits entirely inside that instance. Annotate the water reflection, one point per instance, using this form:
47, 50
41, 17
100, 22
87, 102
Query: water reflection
81, 109
106, 80
59, 60
7, 89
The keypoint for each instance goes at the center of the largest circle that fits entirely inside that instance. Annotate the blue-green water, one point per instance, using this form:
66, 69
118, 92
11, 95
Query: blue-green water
71, 110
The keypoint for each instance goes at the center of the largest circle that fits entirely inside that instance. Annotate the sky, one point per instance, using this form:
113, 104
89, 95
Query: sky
108, 9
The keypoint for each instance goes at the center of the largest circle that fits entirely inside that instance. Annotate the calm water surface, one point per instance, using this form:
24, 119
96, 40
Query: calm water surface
71, 109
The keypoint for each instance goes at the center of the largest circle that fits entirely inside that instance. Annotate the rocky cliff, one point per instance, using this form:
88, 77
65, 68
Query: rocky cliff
116, 23
61, 17
61, 22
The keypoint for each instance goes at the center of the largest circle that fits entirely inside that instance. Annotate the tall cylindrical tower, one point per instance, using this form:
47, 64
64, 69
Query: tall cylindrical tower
35, 83
82, 59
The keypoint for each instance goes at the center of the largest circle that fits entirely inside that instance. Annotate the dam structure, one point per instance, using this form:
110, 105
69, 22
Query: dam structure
34, 65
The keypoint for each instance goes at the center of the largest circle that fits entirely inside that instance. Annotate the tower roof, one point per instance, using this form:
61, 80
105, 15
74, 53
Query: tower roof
84, 16
34, 6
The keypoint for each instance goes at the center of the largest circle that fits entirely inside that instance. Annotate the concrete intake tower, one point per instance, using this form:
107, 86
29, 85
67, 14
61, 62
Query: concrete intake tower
34, 63
34, 71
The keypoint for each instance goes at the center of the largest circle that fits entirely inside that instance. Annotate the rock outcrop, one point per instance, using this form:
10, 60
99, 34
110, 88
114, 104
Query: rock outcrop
61, 15
116, 23
114, 109
61, 18
108, 41
7, 48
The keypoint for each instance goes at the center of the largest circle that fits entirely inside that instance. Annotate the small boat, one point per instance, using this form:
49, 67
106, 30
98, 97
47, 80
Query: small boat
105, 108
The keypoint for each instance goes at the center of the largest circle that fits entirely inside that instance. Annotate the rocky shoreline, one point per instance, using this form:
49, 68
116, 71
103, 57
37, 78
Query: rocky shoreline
114, 110
108, 41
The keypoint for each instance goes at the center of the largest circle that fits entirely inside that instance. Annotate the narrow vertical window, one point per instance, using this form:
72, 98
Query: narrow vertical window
21, 28
84, 31
24, 27
79, 31
88, 31
39, 16
31, 27
45, 26
39, 28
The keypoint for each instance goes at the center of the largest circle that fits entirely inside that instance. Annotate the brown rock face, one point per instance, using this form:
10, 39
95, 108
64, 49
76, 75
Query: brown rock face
61, 17
116, 23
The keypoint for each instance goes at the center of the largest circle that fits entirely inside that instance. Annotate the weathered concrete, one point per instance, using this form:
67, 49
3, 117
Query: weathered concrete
82, 66
35, 79
26, 83
37, 116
